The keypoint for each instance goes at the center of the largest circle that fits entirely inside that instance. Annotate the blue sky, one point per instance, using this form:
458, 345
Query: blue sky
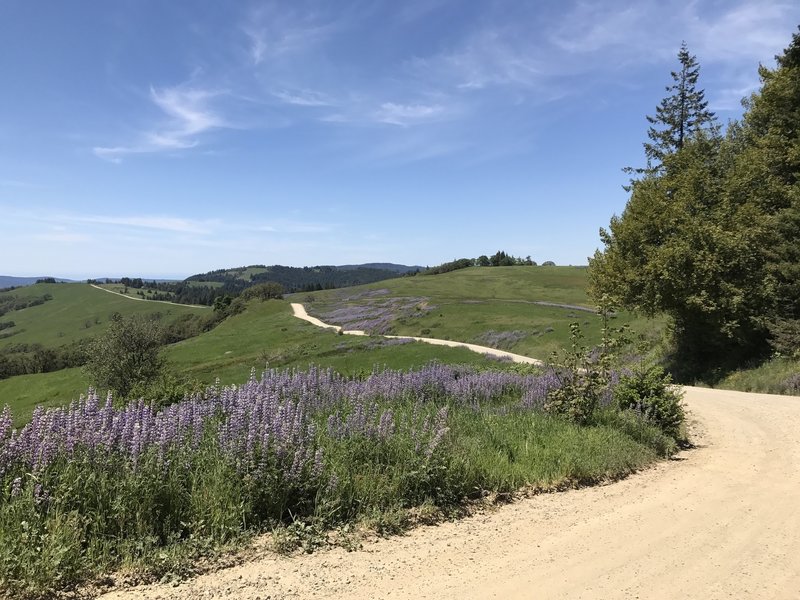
161, 139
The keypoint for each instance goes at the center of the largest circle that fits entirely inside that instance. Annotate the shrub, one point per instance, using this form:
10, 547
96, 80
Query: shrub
129, 353
791, 385
582, 381
649, 392
263, 291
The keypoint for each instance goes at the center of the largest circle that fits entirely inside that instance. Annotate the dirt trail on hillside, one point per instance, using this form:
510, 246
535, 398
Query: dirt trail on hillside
300, 312
102, 289
720, 521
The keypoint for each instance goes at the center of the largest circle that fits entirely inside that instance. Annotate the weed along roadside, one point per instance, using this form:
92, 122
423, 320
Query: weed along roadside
93, 488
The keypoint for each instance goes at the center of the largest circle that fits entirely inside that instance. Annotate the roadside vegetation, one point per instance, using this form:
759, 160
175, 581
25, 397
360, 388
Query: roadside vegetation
710, 234
99, 486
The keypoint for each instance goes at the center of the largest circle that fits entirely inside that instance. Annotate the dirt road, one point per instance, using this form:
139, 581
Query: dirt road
721, 521
97, 287
300, 312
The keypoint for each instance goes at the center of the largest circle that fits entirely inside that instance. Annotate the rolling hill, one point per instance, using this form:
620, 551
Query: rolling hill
523, 309
527, 310
7, 281
75, 311
303, 278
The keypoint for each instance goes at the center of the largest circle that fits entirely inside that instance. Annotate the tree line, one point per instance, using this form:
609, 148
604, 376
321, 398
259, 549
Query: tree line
498, 259
710, 235
230, 283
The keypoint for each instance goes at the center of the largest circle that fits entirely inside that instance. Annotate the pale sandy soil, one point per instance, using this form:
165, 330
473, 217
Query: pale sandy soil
720, 521
300, 312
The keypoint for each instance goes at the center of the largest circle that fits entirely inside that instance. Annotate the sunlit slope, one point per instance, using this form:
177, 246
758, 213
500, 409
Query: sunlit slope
527, 310
76, 311
265, 335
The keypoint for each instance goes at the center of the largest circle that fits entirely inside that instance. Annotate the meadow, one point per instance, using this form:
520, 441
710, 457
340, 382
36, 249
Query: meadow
264, 335
92, 488
301, 431
527, 310
76, 311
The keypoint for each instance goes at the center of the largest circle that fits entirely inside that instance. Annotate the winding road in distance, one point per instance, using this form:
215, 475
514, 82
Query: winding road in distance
719, 521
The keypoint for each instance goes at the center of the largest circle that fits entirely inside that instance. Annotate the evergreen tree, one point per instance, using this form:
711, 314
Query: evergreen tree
766, 173
679, 116
695, 240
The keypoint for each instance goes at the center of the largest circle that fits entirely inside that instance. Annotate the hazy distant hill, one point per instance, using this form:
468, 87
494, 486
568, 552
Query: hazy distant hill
298, 279
9, 281
384, 266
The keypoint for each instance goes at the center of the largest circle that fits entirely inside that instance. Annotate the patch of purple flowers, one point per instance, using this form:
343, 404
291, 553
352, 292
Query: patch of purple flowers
373, 315
267, 423
503, 340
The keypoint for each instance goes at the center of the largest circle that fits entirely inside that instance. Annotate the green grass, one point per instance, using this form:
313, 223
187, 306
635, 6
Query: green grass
566, 285
468, 304
77, 311
266, 334
155, 518
768, 378
23, 392
535, 450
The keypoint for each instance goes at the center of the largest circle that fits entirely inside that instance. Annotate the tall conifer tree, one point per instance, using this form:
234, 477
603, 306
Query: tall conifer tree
679, 116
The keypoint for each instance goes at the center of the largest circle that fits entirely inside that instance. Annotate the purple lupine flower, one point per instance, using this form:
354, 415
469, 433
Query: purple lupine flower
16, 487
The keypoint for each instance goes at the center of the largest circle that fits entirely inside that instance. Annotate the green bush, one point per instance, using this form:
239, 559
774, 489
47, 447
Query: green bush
263, 291
166, 389
649, 391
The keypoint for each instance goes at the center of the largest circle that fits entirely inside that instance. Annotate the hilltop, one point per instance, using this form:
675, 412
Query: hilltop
295, 279
7, 281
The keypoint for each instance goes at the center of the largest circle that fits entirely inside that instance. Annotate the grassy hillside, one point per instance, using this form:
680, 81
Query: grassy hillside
266, 334
524, 309
76, 311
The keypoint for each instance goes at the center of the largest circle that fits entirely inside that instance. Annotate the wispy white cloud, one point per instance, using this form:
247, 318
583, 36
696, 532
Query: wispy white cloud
16, 183
743, 31
303, 98
407, 114
65, 237
188, 113
173, 224
735, 32
490, 56
590, 28
502, 59
61, 225
282, 226
730, 99
275, 31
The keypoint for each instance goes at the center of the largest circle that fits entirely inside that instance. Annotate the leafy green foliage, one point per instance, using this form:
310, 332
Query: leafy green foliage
584, 375
710, 237
10, 302
580, 383
166, 388
128, 354
263, 291
649, 392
